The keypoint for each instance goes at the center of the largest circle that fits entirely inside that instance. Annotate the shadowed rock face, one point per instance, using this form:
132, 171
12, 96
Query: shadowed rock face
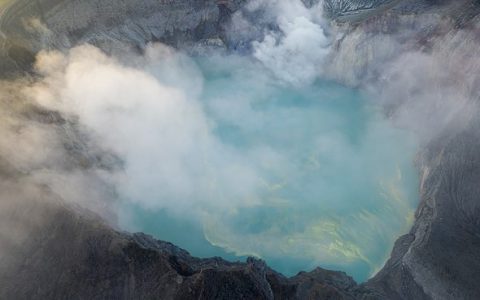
70, 253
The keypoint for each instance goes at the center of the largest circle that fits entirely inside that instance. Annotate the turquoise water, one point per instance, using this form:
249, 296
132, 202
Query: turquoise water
334, 181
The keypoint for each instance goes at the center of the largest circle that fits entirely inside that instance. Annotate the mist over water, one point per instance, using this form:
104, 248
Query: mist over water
329, 181
237, 156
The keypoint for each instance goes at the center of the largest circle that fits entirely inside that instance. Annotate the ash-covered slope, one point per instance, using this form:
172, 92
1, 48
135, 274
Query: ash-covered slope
27, 27
345, 8
439, 258
71, 253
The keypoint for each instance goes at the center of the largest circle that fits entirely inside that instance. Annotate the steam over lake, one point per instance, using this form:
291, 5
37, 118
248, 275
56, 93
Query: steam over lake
306, 175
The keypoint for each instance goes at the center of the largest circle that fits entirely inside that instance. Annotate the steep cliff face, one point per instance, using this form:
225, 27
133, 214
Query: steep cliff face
27, 27
438, 259
71, 253
350, 8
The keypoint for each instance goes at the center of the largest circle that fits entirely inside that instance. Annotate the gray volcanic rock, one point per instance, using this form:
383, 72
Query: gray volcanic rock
27, 27
70, 253
439, 258
342, 8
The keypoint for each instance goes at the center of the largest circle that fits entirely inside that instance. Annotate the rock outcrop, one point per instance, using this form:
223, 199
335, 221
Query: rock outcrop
71, 253
27, 27
438, 258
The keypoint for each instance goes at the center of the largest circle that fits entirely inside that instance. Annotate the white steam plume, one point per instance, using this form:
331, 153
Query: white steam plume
296, 49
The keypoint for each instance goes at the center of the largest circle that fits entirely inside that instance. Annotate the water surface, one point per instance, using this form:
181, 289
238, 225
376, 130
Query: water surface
335, 183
